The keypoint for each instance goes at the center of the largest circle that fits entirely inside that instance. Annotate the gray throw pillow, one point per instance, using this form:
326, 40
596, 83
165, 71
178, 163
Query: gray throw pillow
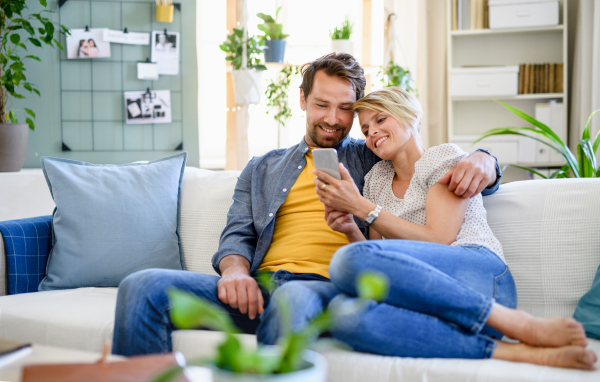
112, 220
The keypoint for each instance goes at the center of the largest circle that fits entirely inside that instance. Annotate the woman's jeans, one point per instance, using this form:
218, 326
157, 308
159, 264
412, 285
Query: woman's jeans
439, 300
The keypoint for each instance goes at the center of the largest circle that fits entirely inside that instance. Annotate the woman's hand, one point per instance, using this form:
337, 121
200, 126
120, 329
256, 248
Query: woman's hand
341, 195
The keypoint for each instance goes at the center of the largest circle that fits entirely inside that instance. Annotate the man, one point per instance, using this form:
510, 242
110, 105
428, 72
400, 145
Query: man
276, 224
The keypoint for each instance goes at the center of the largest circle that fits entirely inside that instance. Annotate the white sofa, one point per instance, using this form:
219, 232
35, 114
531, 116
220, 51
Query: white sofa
548, 228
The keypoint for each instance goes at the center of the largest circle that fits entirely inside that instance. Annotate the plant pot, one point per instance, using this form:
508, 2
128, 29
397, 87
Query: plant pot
315, 371
247, 86
274, 51
13, 146
341, 46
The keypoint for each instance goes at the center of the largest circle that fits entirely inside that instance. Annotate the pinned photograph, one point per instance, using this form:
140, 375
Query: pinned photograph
150, 106
165, 51
147, 71
87, 43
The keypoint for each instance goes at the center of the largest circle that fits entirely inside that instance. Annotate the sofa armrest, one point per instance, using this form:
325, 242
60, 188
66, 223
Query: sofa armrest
26, 246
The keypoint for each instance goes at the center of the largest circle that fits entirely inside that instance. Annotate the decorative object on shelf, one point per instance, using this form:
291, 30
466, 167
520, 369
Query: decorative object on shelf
393, 74
340, 37
584, 165
484, 81
15, 25
288, 360
273, 38
277, 97
523, 14
164, 11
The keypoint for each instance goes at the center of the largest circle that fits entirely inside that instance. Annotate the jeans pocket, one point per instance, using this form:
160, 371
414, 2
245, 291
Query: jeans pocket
505, 290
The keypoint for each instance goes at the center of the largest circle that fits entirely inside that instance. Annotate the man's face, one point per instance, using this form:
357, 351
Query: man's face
329, 116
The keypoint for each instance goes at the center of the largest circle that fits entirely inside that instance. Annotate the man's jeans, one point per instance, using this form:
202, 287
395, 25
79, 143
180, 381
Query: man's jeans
439, 300
143, 326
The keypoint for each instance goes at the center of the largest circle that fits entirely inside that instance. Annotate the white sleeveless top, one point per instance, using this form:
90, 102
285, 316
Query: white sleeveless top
434, 163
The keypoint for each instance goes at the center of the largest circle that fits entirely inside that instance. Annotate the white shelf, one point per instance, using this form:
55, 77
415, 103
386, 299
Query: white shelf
480, 32
513, 97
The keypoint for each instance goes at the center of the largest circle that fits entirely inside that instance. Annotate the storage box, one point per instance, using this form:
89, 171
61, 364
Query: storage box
523, 13
484, 81
505, 148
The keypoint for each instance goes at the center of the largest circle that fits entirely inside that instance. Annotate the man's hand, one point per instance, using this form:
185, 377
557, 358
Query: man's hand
471, 175
237, 288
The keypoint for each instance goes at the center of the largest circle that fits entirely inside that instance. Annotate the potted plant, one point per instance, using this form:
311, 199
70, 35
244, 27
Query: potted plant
582, 165
288, 361
395, 75
277, 97
340, 37
273, 37
13, 26
246, 70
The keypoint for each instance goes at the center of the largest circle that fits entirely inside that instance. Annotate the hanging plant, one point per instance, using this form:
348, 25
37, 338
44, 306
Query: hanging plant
233, 46
395, 75
277, 94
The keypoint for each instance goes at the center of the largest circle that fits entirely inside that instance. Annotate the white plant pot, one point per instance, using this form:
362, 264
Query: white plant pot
247, 86
341, 46
316, 371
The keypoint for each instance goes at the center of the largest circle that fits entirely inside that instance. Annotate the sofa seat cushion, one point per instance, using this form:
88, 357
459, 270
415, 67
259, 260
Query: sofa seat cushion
344, 366
74, 318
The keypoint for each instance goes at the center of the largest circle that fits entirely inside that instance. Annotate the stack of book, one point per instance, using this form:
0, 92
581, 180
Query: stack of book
470, 14
540, 78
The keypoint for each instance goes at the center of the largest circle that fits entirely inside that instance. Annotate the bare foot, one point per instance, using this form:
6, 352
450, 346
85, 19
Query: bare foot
571, 357
549, 332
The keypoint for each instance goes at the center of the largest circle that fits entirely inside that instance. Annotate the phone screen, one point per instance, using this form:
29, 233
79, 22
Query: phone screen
326, 160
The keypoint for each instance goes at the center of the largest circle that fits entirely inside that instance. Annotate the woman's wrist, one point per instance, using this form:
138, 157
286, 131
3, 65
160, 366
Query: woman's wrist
363, 208
355, 235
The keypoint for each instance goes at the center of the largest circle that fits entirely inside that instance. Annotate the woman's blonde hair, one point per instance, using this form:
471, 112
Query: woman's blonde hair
398, 103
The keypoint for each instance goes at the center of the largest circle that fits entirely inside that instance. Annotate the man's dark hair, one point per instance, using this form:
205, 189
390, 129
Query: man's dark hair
341, 65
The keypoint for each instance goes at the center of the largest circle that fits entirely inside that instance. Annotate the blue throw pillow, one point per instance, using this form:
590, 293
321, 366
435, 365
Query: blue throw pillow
111, 221
588, 309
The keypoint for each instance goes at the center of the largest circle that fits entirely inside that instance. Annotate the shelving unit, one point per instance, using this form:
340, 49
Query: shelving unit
472, 116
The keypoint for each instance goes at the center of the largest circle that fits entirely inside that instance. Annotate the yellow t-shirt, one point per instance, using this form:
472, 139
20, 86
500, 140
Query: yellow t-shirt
302, 240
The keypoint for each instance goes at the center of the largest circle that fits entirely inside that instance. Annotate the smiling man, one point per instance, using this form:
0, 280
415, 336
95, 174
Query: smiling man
276, 224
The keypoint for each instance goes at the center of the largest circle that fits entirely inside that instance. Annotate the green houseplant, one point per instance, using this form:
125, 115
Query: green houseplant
18, 30
246, 80
340, 37
273, 38
288, 358
277, 97
395, 75
582, 165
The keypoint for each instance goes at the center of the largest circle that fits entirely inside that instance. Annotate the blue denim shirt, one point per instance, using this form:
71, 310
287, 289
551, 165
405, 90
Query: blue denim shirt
263, 186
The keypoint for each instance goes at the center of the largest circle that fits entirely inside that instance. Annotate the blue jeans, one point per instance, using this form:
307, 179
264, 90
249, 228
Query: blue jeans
143, 326
439, 300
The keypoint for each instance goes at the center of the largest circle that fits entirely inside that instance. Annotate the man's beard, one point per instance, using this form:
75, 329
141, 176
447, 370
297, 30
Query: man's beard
326, 142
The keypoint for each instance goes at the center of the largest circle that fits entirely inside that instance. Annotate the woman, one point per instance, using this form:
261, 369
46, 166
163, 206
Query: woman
451, 294
92, 48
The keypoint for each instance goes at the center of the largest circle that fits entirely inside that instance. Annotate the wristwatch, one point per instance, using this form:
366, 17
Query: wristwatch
372, 215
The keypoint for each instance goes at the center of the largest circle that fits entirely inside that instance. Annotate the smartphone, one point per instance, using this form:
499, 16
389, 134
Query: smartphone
326, 160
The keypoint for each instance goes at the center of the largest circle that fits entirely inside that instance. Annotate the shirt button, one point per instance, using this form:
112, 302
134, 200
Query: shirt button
271, 214
285, 189
299, 167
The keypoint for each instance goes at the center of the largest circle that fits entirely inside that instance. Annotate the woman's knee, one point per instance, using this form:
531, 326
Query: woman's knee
347, 263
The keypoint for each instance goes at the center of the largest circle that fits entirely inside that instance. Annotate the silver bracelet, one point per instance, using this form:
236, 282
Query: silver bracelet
372, 215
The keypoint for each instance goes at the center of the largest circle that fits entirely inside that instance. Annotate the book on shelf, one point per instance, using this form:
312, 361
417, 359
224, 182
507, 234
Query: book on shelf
469, 14
540, 78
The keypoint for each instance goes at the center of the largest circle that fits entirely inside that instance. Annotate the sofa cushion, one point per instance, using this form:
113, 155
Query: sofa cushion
549, 233
205, 200
111, 221
75, 318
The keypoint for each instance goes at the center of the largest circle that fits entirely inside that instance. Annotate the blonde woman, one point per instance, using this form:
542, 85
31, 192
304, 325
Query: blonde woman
451, 293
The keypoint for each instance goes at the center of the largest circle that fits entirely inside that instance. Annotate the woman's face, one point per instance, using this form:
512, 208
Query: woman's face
385, 136
92, 43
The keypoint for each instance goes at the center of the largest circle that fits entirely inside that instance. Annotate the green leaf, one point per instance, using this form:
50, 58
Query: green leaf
22, 45
530, 170
169, 375
35, 41
36, 91
42, 31
30, 112
533, 121
13, 117
27, 26
587, 159
266, 18
30, 123
190, 312
59, 44
372, 285
43, 2
15, 38
34, 58
27, 86
224, 48
587, 128
49, 28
